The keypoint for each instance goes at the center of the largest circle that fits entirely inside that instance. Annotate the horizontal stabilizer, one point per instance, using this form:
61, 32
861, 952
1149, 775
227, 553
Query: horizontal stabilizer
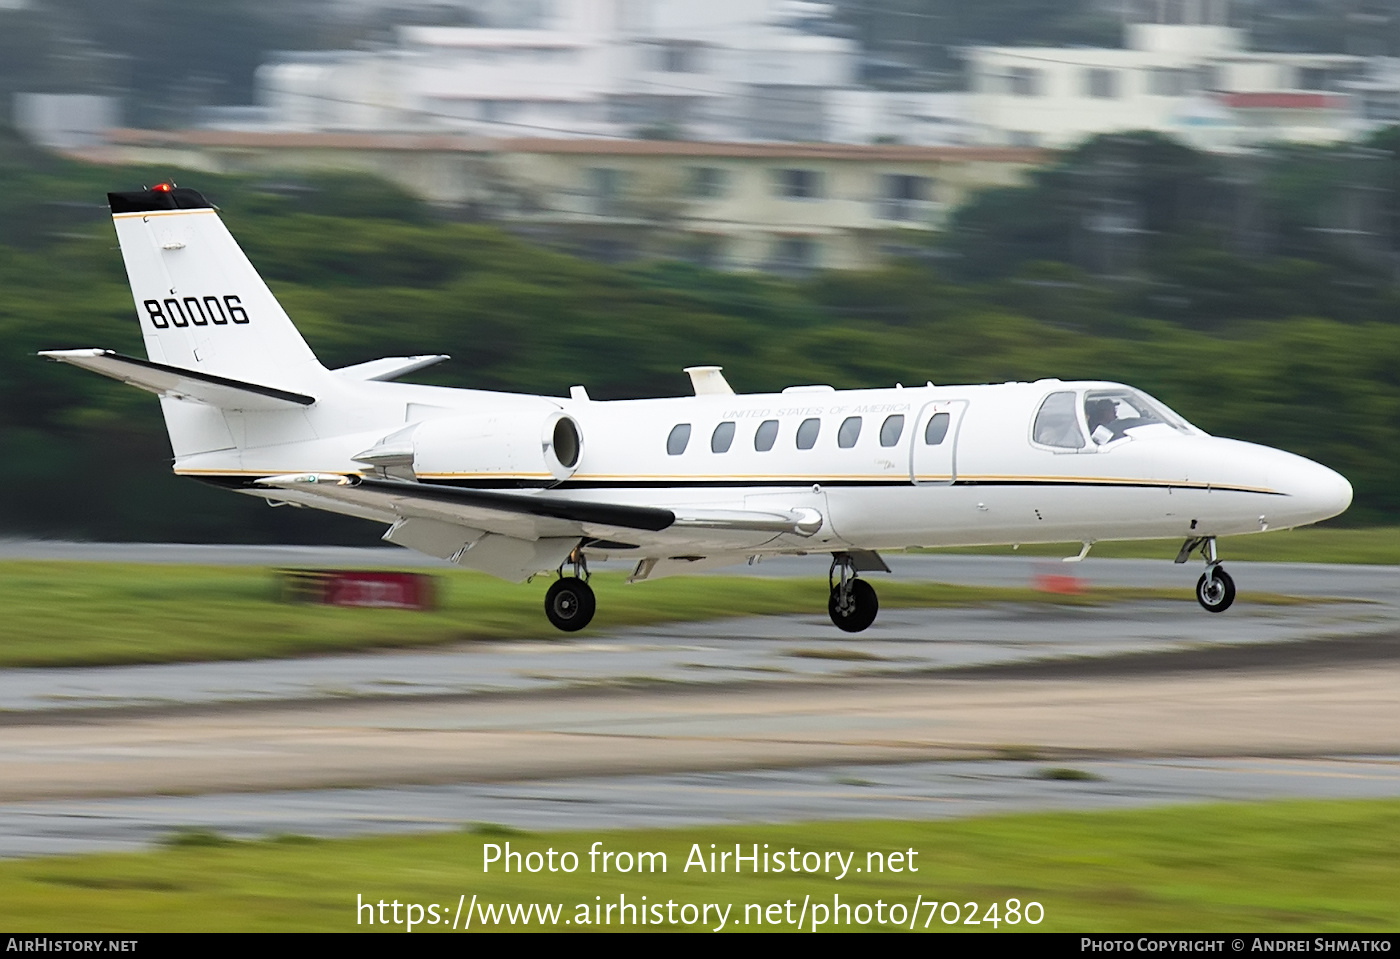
391, 367
174, 381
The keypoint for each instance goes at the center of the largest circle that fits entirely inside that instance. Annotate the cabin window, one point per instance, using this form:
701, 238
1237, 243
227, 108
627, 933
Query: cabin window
937, 429
849, 432
892, 429
722, 438
1056, 423
766, 436
807, 433
679, 439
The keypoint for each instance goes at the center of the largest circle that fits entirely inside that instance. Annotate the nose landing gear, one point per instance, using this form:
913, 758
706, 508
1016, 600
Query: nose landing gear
1215, 590
853, 604
570, 604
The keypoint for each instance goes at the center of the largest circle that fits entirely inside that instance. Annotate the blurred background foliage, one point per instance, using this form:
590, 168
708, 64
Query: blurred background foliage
1229, 292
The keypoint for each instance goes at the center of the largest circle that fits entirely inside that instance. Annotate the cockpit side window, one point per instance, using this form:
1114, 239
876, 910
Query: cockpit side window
1112, 413
1057, 422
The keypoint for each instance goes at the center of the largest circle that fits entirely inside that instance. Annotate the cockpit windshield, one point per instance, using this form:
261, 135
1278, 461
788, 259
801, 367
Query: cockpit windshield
1111, 414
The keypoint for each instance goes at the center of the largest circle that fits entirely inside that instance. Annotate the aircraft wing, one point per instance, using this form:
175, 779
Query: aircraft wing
524, 512
220, 391
526, 515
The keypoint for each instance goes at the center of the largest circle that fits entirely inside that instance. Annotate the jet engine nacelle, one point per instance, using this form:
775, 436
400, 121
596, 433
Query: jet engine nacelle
527, 444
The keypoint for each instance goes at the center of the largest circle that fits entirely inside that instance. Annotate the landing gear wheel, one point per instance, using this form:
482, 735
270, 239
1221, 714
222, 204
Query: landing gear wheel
570, 604
1215, 590
861, 606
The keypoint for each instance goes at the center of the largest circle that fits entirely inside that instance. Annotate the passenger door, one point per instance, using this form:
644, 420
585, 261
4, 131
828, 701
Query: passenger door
933, 443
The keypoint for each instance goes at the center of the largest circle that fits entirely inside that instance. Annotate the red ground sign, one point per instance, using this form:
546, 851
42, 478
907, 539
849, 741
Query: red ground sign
359, 587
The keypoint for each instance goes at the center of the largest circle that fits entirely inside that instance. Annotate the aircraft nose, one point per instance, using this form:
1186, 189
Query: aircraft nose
1315, 492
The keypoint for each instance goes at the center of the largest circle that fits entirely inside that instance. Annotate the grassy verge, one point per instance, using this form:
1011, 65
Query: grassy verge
1289, 866
71, 614
1313, 544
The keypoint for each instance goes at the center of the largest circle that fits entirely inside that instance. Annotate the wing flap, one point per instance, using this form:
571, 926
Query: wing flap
181, 383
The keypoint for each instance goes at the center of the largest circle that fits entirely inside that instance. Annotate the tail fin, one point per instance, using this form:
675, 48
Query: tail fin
201, 304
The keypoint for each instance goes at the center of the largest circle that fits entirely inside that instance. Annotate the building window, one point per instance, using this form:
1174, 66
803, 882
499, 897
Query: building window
1169, 82
706, 182
765, 436
797, 184
606, 187
891, 430
1023, 82
500, 110
1101, 84
678, 440
1312, 78
677, 56
794, 254
1381, 105
904, 197
722, 438
703, 250
849, 432
807, 433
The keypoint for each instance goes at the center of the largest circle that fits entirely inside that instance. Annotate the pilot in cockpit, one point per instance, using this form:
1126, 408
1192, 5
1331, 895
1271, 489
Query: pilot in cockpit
1101, 415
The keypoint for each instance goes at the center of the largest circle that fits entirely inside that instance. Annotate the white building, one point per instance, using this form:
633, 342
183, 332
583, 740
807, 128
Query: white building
722, 69
1183, 71
1376, 93
787, 207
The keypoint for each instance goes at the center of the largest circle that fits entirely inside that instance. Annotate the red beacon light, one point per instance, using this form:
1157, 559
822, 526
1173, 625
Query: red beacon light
163, 187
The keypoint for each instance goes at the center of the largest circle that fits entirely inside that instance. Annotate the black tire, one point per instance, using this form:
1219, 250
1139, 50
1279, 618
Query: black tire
570, 604
861, 610
1215, 594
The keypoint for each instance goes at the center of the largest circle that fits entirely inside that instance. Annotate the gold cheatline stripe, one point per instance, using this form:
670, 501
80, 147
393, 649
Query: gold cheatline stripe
1117, 481
799, 480
127, 216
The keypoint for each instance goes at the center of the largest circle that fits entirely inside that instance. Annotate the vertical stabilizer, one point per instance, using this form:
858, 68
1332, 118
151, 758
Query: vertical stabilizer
200, 303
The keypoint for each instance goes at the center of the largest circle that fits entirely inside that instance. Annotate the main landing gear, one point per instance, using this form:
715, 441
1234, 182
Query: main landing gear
570, 603
853, 604
1215, 590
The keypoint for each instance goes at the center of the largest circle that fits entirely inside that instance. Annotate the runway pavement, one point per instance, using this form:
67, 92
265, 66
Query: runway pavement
769, 649
939, 790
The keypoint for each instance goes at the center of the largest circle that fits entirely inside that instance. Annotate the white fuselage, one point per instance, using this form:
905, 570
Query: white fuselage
987, 480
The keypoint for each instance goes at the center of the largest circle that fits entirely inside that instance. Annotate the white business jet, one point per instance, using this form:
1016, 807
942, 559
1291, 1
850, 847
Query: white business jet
515, 484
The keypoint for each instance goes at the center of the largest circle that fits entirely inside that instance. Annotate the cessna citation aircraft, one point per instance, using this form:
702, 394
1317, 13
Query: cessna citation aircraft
515, 484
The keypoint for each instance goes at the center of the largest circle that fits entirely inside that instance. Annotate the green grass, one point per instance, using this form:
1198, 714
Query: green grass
1313, 544
1287, 866
70, 614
